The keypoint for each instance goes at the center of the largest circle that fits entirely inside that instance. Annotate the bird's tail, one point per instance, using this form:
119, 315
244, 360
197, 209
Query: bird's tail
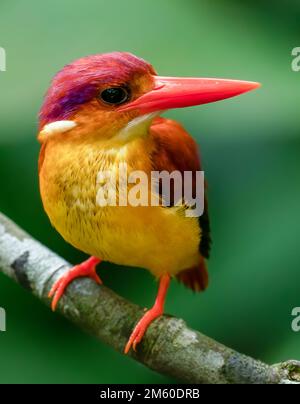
195, 278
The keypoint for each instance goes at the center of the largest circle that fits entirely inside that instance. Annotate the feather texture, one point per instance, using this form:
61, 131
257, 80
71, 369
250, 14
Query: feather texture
176, 150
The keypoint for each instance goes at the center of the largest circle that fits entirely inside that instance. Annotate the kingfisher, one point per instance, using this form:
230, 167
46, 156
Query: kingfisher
102, 111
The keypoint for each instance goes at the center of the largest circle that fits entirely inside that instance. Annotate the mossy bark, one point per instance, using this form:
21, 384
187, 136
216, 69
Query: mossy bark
169, 347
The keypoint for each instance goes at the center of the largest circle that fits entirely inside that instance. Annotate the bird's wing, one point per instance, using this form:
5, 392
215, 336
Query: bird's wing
174, 150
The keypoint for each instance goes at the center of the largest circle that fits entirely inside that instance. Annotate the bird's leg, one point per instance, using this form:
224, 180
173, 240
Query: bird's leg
156, 311
86, 268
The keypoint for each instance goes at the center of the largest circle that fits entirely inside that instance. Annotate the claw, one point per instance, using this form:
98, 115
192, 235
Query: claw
87, 268
141, 328
150, 315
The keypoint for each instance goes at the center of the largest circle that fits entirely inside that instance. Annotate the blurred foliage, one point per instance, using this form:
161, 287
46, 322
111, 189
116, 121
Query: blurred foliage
251, 152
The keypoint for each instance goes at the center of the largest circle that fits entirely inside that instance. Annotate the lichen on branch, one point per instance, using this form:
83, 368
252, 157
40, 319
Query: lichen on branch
169, 346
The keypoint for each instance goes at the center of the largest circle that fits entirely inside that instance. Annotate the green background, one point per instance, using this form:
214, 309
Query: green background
250, 148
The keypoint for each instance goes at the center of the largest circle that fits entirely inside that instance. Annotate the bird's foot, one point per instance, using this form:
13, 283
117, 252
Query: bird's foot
142, 326
150, 315
86, 268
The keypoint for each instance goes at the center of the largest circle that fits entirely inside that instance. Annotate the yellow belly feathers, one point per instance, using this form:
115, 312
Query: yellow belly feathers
156, 238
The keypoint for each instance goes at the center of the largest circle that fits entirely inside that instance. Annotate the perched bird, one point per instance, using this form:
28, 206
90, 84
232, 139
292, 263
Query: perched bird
103, 110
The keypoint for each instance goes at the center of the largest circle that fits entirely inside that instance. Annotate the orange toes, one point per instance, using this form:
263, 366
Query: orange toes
87, 268
141, 328
96, 278
133, 341
150, 315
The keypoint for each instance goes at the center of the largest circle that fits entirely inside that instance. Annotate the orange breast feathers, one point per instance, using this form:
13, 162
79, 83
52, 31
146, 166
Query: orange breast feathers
175, 149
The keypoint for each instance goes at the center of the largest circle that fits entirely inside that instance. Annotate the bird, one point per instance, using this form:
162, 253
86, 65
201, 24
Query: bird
104, 110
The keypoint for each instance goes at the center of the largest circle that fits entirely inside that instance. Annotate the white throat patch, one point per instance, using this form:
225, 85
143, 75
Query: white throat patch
137, 127
57, 127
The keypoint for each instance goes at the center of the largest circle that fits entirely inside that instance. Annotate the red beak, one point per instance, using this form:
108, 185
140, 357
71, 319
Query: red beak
180, 92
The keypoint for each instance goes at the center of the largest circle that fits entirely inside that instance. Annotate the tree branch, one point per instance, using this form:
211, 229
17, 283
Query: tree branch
169, 347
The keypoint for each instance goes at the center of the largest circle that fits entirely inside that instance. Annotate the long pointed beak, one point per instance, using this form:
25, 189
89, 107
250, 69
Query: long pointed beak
180, 92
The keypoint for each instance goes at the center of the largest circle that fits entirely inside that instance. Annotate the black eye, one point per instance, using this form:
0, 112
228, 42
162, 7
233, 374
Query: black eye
115, 95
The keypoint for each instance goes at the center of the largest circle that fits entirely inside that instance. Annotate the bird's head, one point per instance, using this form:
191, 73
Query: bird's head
115, 96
